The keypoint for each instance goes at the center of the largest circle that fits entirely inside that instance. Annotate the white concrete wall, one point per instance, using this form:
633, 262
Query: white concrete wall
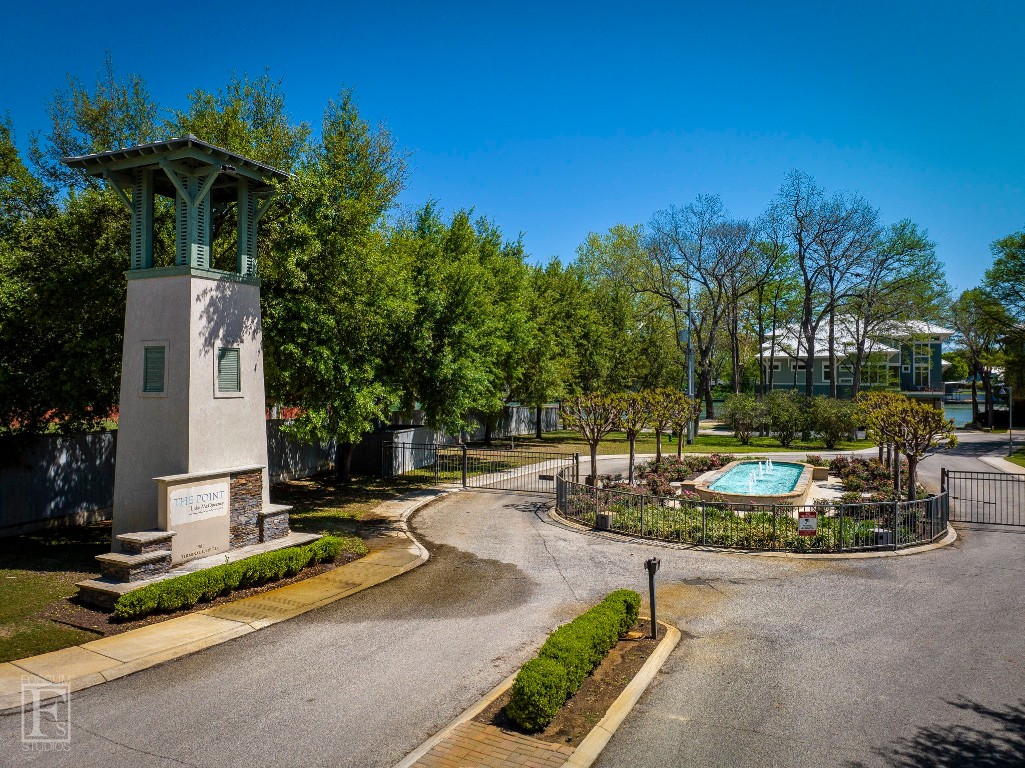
188, 428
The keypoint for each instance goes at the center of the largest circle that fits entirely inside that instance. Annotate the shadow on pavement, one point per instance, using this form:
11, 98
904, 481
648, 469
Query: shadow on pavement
1000, 744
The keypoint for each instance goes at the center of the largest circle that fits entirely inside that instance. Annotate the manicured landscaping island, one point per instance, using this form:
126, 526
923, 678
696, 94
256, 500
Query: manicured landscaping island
854, 508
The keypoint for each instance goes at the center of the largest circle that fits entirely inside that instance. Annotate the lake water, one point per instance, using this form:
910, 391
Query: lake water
961, 413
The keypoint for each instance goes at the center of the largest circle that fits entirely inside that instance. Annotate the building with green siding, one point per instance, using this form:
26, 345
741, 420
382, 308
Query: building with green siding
907, 356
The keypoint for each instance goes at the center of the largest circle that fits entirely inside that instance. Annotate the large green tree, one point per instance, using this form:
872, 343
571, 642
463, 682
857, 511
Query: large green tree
332, 299
455, 352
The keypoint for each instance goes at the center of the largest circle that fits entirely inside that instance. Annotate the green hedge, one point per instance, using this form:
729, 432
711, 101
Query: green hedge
568, 656
185, 591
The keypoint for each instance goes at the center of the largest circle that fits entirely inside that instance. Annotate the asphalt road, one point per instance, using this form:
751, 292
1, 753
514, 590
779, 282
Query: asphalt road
895, 661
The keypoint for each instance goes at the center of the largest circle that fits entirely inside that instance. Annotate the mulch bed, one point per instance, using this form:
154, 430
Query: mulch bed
597, 693
80, 616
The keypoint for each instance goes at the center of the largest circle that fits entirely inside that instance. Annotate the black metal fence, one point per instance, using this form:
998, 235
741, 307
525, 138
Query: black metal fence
993, 498
490, 468
777, 527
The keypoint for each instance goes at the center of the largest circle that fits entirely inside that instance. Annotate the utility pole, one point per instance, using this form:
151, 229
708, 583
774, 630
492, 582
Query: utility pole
690, 374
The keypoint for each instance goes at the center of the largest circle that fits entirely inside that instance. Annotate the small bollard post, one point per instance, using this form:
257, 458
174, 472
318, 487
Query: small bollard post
652, 565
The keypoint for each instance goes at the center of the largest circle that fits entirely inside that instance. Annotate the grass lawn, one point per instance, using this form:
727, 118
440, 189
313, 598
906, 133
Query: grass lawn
1018, 457
37, 571
566, 441
322, 504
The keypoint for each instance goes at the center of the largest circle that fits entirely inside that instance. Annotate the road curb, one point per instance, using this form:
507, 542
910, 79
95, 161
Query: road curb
588, 750
946, 541
109, 658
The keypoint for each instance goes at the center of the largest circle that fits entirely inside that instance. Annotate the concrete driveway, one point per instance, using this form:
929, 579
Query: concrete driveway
784, 662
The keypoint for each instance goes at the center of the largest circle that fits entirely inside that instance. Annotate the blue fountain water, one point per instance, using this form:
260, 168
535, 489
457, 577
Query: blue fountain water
759, 478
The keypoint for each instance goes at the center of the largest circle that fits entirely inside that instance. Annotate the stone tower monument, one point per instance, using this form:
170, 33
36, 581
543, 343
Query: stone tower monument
191, 471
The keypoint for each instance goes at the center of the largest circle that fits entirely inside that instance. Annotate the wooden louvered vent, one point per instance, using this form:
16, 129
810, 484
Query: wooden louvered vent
229, 374
153, 369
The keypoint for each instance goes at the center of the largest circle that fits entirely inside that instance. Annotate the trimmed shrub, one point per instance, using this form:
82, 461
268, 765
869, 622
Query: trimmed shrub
833, 420
574, 649
786, 413
187, 590
537, 694
744, 414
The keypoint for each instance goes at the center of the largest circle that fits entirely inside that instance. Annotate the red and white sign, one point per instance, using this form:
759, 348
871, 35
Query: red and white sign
807, 523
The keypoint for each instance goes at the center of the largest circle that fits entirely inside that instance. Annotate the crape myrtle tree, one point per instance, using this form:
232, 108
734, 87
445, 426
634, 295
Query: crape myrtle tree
875, 409
593, 415
662, 410
682, 412
635, 416
915, 428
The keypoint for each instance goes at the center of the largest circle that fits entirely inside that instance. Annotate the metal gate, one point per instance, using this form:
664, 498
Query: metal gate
491, 468
994, 498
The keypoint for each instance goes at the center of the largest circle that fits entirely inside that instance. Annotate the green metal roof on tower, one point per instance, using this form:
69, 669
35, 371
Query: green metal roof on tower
201, 177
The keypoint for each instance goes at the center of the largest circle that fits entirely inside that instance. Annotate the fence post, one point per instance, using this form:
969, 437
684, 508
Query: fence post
642, 514
775, 512
896, 524
576, 467
841, 528
703, 522
463, 446
437, 469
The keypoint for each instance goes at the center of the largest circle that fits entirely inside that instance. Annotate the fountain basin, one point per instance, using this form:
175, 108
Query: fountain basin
745, 482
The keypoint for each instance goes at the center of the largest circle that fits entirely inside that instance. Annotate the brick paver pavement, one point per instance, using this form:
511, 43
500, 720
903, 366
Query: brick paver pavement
475, 745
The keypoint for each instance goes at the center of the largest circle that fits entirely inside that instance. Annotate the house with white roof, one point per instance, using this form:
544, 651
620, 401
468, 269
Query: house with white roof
905, 355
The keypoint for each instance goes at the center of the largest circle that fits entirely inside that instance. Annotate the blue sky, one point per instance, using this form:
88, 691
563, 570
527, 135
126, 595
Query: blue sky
556, 119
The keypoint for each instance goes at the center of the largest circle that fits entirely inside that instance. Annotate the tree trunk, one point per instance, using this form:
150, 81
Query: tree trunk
859, 362
987, 386
633, 456
735, 350
343, 461
975, 399
832, 354
487, 430
592, 478
880, 453
538, 412
912, 478
896, 474
658, 447
679, 443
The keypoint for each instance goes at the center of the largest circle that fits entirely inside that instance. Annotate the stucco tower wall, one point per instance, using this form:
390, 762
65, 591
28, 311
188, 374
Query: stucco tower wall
190, 427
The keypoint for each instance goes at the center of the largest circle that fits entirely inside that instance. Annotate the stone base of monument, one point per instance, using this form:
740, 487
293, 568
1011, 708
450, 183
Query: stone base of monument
203, 519
104, 591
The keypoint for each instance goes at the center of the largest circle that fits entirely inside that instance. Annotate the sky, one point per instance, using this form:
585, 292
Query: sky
560, 119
